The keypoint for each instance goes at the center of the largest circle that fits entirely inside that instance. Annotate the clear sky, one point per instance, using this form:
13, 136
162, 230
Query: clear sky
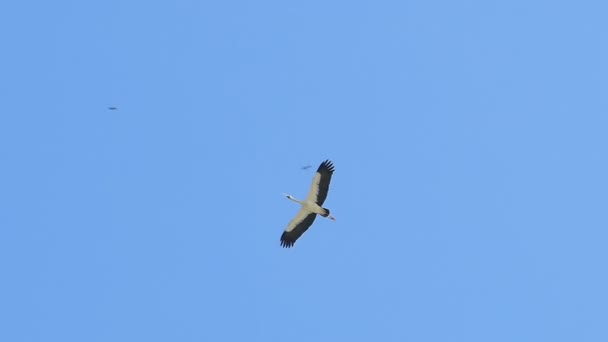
470, 142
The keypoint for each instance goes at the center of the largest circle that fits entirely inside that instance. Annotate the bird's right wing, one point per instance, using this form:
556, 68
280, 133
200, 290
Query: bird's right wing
297, 227
320, 183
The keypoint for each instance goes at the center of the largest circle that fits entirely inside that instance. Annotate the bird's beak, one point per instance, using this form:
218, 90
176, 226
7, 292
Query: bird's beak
286, 195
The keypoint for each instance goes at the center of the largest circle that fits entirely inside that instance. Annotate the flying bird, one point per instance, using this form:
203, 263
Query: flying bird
306, 167
311, 207
112, 108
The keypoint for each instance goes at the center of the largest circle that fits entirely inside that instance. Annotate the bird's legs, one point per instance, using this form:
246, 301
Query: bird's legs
331, 218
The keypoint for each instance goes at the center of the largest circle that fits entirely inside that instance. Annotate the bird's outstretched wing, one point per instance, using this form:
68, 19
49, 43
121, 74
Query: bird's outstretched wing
320, 183
297, 227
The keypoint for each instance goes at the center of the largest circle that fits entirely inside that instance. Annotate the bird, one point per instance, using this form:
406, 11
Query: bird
112, 108
311, 206
306, 167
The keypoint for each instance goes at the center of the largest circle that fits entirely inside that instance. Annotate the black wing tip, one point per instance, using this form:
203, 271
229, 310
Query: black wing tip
326, 165
287, 244
287, 241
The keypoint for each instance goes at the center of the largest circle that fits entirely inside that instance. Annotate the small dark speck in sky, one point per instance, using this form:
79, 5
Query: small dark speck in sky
112, 108
306, 167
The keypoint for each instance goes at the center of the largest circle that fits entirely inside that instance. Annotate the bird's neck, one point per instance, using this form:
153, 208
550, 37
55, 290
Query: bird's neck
295, 200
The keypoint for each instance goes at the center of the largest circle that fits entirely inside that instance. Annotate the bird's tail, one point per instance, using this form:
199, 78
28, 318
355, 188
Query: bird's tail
326, 212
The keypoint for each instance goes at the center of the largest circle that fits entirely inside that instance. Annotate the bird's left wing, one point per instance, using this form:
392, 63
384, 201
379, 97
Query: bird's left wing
297, 227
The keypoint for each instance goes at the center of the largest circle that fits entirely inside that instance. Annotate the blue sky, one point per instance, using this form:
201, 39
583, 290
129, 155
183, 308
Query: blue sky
470, 190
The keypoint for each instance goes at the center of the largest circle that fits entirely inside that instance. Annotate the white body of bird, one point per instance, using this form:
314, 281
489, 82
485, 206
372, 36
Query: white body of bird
312, 207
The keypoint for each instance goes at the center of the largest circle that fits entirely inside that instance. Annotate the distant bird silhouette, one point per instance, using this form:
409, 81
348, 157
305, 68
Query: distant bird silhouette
112, 108
306, 167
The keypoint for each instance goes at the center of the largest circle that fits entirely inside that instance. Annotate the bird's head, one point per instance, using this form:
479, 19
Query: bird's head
287, 195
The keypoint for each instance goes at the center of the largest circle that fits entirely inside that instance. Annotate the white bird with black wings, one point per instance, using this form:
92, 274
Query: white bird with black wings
311, 207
